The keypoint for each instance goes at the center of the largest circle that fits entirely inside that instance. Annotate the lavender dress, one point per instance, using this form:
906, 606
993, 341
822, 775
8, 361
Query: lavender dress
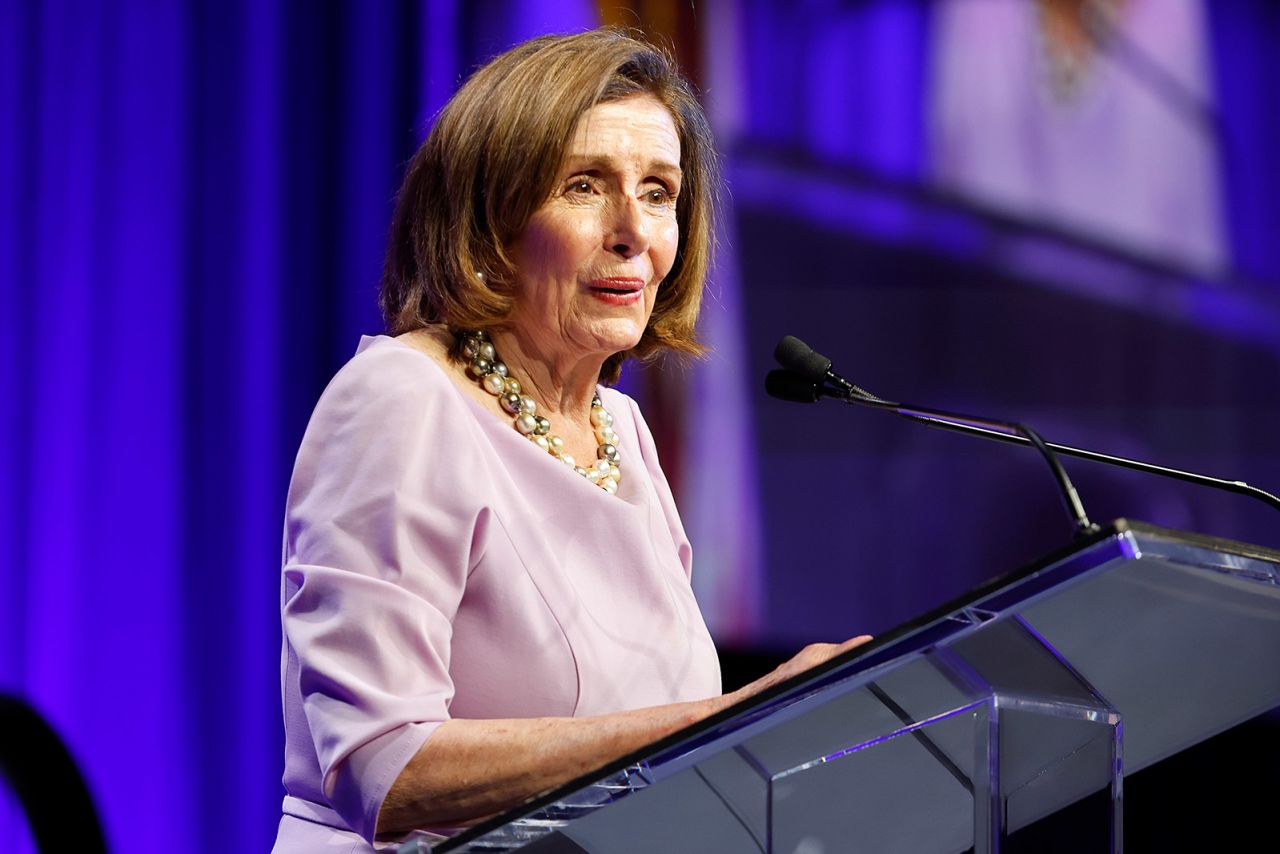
437, 564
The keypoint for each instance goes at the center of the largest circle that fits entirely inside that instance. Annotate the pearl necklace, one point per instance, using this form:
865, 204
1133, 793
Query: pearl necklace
1066, 69
491, 372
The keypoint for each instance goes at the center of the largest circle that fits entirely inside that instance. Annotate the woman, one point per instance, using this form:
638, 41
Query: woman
486, 585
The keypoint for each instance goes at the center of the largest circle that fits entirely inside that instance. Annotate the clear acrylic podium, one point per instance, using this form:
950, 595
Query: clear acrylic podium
1029, 694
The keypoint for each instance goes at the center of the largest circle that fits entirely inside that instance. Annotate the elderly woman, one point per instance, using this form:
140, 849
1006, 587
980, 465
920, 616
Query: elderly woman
486, 585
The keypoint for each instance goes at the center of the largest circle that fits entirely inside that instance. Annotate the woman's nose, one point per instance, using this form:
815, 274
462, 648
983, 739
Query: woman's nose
628, 234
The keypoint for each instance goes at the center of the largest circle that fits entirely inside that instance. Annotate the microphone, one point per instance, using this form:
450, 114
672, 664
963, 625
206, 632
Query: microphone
801, 359
801, 380
798, 357
787, 385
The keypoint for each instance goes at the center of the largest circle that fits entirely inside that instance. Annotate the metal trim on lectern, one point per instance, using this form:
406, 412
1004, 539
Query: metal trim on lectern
1034, 691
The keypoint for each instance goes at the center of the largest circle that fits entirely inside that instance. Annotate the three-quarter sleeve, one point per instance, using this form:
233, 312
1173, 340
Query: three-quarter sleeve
379, 540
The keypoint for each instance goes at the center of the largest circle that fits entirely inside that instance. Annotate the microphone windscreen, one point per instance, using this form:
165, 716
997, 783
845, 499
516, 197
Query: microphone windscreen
786, 385
797, 356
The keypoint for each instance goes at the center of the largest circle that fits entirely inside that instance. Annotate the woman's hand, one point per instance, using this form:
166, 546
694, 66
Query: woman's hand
811, 656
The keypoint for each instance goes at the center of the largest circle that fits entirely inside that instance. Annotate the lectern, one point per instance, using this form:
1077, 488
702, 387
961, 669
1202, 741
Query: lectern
1034, 691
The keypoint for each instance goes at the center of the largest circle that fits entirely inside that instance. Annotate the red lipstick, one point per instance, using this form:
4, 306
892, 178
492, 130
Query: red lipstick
617, 290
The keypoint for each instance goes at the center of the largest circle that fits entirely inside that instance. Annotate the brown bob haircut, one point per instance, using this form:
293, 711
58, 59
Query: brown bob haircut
493, 158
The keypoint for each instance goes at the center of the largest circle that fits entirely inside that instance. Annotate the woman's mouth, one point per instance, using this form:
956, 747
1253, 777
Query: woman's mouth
617, 290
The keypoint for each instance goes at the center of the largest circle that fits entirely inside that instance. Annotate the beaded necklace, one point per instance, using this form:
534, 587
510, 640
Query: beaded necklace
491, 372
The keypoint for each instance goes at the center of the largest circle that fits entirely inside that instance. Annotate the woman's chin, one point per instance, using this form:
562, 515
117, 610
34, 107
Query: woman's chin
616, 335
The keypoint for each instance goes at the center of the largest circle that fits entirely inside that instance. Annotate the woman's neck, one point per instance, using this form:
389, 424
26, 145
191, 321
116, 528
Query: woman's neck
561, 385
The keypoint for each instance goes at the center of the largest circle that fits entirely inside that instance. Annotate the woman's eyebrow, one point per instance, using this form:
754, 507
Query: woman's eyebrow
611, 163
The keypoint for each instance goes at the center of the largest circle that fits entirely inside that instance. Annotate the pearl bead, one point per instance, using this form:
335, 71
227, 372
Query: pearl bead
540, 441
600, 417
568, 460
544, 426
494, 384
486, 351
607, 452
602, 466
511, 403
557, 444
500, 368
527, 405
525, 423
594, 475
480, 366
469, 346
609, 485
615, 473
513, 385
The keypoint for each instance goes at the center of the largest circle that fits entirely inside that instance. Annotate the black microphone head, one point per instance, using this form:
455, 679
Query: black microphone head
798, 357
788, 385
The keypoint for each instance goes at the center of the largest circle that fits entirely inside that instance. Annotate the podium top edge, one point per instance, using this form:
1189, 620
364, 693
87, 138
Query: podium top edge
1204, 541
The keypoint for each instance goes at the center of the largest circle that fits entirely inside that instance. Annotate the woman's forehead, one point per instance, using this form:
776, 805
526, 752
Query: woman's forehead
638, 126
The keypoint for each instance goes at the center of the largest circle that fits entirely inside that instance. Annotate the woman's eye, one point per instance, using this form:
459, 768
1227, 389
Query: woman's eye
579, 185
659, 196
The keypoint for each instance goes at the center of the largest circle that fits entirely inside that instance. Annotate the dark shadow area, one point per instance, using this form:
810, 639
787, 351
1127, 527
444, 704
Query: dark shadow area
44, 776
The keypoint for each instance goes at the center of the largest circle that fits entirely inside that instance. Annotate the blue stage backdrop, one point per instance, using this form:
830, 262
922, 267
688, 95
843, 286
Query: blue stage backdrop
193, 199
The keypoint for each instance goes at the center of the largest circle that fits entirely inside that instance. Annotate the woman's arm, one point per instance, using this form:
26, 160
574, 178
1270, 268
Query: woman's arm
469, 769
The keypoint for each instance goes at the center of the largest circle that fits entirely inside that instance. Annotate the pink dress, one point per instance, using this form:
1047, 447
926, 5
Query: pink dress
437, 564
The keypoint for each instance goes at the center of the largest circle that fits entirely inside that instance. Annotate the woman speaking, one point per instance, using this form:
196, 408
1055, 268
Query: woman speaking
486, 583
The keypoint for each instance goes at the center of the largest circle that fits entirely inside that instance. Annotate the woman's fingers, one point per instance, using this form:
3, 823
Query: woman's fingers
820, 652
853, 642
811, 656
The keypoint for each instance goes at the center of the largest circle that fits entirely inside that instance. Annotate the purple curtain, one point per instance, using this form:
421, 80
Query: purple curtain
191, 226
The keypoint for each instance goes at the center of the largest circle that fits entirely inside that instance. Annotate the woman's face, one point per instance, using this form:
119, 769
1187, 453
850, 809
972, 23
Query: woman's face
592, 256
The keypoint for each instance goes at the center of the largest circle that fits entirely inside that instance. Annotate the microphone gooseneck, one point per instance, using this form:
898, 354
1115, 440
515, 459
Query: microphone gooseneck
807, 371
1000, 431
